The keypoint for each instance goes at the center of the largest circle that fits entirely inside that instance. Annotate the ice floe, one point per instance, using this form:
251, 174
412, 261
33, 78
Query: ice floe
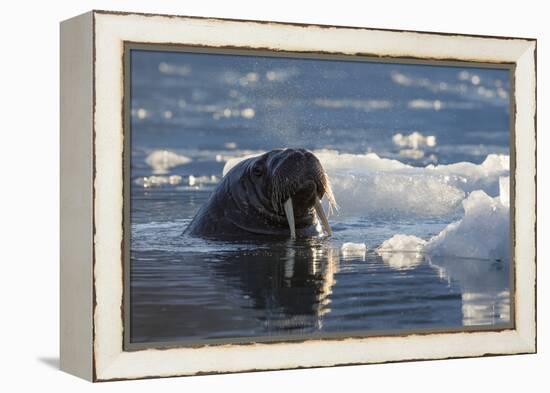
354, 250
482, 233
156, 181
231, 161
365, 184
173, 69
468, 85
402, 251
196, 181
193, 182
409, 243
161, 161
414, 140
365, 105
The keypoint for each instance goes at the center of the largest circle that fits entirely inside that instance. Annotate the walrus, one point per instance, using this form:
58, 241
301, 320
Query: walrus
275, 194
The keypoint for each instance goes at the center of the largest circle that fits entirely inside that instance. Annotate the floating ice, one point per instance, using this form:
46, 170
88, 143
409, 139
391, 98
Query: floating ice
483, 232
401, 79
197, 181
354, 250
411, 153
425, 104
471, 86
231, 161
163, 160
191, 182
248, 113
333, 160
470, 177
173, 69
141, 113
238, 78
402, 251
414, 140
367, 185
156, 181
281, 74
410, 144
402, 243
365, 105
233, 158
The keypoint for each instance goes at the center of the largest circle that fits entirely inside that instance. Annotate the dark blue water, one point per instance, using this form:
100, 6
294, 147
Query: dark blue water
207, 109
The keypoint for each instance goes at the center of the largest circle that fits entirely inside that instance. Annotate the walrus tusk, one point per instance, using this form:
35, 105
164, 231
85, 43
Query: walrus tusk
289, 211
321, 215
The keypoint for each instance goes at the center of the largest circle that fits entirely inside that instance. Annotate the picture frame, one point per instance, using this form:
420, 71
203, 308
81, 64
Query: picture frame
94, 276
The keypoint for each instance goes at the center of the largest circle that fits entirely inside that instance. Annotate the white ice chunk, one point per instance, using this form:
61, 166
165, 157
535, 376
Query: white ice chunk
402, 251
496, 163
163, 160
414, 140
400, 242
232, 161
198, 181
354, 250
483, 232
173, 69
370, 185
156, 181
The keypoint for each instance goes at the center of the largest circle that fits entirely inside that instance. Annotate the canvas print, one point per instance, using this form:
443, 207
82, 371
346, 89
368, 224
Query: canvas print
283, 197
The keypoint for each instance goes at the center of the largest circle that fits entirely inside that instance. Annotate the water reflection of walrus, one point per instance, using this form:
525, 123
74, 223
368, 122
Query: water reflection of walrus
277, 193
290, 286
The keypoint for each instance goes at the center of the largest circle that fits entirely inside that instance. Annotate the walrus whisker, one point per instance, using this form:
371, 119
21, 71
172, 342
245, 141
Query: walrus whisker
289, 211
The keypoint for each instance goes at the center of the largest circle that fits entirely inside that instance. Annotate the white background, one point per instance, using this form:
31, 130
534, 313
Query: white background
29, 197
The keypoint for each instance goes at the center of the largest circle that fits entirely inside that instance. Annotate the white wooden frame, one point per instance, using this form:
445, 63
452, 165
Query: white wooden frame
92, 47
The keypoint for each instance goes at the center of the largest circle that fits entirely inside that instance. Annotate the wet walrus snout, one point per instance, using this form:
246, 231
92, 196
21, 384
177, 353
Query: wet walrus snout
299, 183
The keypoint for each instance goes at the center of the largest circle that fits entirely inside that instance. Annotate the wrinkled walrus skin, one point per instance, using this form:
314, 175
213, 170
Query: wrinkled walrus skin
249, 199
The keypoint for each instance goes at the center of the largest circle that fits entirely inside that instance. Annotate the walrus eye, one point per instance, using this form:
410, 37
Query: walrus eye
257, 170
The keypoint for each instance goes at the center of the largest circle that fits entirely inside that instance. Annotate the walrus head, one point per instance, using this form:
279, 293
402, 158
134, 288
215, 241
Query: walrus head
288, 186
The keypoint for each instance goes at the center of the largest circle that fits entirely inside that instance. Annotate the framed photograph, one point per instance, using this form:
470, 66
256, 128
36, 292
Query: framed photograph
246, 195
